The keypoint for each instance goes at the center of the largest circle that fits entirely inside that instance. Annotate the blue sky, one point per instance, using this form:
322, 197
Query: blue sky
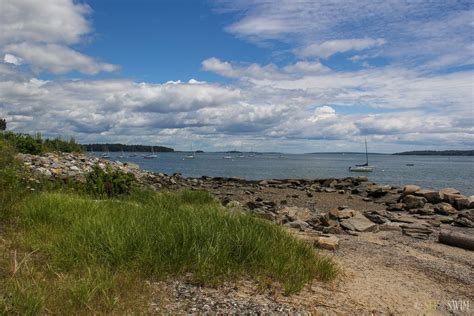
294, 76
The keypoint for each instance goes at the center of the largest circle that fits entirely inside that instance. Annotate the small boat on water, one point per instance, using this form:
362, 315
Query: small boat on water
227, 157
410, 164
190, 156
152, 155
364, 167
122, 155
132, 155
105, 155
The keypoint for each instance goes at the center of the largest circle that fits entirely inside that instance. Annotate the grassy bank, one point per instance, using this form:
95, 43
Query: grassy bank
81, 252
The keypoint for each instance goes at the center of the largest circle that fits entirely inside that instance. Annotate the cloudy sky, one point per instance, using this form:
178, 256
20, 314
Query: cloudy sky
284, 75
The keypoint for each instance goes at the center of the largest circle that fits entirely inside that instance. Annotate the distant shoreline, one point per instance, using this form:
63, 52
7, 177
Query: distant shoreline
437, 153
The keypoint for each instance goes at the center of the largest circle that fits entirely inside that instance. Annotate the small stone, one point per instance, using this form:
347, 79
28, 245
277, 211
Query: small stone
329, 243
298, 224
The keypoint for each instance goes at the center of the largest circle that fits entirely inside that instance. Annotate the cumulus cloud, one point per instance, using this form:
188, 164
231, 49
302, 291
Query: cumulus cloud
40, 34
329, 48
57, 59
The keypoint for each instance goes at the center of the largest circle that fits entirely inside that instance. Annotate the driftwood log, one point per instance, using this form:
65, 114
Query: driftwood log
457, 239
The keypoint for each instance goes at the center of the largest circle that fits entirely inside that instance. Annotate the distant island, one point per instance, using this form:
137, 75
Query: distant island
437, 153
127, 148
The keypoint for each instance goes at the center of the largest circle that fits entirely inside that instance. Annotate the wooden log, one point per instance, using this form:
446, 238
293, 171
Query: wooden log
457, 239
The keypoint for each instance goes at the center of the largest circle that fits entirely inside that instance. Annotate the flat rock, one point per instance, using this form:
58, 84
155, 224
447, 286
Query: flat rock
329, 243
390, 227
359, 223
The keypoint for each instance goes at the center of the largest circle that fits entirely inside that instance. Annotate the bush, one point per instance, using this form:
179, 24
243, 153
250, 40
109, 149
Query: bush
109, 182
35, 145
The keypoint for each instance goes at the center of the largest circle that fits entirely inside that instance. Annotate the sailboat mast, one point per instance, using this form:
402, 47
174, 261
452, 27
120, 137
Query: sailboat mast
366, 153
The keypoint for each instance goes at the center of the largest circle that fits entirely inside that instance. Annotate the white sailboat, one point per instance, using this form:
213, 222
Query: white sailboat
364, 167
152, 155
122, 155
105, 155
241, 155
190, 156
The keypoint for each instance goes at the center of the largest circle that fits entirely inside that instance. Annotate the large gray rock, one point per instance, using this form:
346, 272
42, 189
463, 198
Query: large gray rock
412, 201
359, 223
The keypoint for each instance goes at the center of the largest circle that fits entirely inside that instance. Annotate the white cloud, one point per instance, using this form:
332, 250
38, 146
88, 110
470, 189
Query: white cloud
57, 59
329, 48
12, 59
40, 34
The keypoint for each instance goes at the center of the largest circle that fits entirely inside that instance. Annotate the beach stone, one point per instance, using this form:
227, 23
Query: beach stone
296, 213
410, 189
461, 202
329, 243
412, 201
298, 224
416, 230
431, 196
359, 223
389, 226
444, 208
375, 217
471, 201
444, 191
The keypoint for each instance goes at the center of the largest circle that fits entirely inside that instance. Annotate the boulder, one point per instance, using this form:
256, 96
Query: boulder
410, 189
431, 196
462, 202
444, 191
329, 243
359, 223
412, 201
471, 201
451, 198
444, 208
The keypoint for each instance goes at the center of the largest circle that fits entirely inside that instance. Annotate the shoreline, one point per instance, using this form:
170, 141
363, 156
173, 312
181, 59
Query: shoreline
385, 240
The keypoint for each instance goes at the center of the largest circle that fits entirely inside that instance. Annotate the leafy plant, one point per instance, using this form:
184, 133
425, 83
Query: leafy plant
109, 182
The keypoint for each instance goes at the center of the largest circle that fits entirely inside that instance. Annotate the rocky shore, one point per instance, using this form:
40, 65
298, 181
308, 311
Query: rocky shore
412, 210
383, 237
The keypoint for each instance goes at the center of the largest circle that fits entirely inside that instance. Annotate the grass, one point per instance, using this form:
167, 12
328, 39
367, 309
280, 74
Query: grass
79, 255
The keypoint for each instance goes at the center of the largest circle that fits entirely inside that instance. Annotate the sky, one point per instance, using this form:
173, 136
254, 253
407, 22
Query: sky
293, 76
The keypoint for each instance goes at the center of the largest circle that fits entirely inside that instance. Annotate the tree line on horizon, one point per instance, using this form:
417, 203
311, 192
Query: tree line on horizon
126, 148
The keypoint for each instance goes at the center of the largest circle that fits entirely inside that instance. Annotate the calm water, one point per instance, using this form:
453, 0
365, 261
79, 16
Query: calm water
428, 171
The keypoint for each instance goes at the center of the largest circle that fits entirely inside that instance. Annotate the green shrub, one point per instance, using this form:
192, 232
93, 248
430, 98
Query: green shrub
35, 145
109, 182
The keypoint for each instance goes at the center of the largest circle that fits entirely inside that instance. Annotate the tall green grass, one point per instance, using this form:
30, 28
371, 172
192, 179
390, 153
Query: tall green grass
94, 243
